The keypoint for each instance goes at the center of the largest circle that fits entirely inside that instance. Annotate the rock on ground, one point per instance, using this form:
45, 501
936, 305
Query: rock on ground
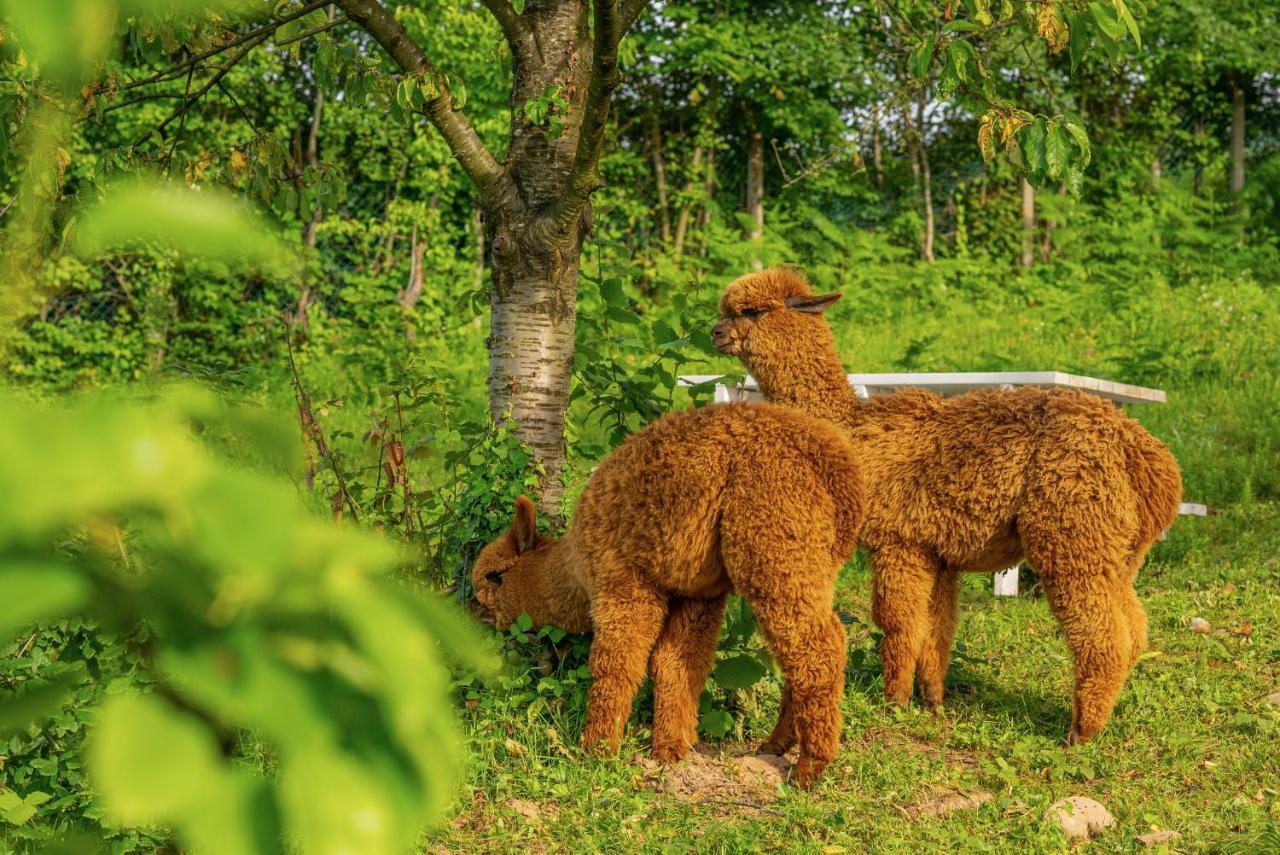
1155, 838
1079, 817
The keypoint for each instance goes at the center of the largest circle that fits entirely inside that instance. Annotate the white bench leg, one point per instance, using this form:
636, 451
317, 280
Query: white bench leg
1006, 582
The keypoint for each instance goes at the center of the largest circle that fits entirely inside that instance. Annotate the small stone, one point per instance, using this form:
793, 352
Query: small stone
1079, 817
1273, 699
1155, 838
1201, 626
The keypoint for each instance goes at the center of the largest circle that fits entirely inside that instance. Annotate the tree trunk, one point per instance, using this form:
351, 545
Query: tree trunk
1237, 137
477, 228
1157, 171
1028, 224
534, 294
755, 184
534, 244
686, 205
926, 176
309, 231
659, 177
877, 160
708, 196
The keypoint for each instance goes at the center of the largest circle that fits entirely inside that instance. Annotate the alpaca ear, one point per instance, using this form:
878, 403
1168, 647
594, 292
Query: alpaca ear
815, 305
524, 527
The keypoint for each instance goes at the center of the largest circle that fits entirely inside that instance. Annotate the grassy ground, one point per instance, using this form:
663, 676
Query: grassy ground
1193, 746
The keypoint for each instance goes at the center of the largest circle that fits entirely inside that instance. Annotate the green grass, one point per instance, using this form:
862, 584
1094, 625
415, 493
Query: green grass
1192, 746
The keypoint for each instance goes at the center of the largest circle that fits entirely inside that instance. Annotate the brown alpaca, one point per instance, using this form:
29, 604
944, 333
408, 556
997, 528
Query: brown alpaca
973, 484
761, 500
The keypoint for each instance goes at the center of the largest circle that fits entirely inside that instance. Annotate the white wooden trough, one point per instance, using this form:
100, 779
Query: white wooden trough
948, 384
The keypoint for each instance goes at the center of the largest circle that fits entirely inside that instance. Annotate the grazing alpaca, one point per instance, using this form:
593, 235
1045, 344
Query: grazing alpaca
761, 500
973, 484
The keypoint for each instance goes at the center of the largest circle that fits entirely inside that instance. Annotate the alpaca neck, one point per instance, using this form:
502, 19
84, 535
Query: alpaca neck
560, 590
811, 379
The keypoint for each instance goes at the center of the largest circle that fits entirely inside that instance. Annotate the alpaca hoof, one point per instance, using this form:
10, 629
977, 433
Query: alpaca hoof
1075, 737
670, 753
597, 744
806, 772
771, 748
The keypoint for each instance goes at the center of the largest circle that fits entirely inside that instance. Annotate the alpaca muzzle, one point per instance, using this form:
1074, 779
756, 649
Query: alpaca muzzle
723, 339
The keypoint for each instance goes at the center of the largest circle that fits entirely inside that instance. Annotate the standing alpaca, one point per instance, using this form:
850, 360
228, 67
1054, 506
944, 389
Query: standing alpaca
974, 484
761, 500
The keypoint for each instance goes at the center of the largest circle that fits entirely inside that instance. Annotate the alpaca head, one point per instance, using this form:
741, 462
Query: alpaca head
523, 573
768, 313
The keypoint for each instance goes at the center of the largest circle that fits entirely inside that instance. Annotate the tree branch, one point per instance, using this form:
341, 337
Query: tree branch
268, 28
514, 26
213, 81
490, 178
631, 10
584, 175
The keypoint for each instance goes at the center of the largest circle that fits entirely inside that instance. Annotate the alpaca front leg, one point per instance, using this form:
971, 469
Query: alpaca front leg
626, 625
680, 663
901, 589
935, 656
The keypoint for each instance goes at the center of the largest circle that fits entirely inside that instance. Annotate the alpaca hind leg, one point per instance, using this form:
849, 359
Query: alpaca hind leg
902, 584
626, 623
1093, 616
680, 663
935, 656
810, 648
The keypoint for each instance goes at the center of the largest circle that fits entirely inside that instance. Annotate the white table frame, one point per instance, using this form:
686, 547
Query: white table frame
947, 384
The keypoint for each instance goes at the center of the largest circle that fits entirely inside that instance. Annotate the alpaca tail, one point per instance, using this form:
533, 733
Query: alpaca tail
1156, 480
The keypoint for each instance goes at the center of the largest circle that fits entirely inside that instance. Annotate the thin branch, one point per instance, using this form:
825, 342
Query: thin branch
187, 103
490, 178
150, 96
313, 32
236, 103
584, 175
516, 29
268, 28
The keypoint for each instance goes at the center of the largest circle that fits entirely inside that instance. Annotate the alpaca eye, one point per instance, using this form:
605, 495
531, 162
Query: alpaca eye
753, 314
495, 578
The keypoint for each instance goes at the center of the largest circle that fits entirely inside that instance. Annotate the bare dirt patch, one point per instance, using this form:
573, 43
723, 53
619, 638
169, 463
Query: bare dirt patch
723, 778
946, 803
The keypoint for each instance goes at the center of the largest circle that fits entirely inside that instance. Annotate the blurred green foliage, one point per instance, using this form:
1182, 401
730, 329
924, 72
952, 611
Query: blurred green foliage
241, 616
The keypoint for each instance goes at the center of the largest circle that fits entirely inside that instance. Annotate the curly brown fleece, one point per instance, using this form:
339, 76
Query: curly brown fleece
761, 500
973, 484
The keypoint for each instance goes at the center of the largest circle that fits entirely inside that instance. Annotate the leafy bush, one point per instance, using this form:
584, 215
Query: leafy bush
241, 616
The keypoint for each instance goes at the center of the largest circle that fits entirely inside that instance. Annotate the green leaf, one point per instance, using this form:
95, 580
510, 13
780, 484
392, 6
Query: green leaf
1110, 25
202, 223
922, 56
35, 590
150, 762
1032, 144
715, 723
1078, 133
738, 672
1122, 11
611, 292
1057, 151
